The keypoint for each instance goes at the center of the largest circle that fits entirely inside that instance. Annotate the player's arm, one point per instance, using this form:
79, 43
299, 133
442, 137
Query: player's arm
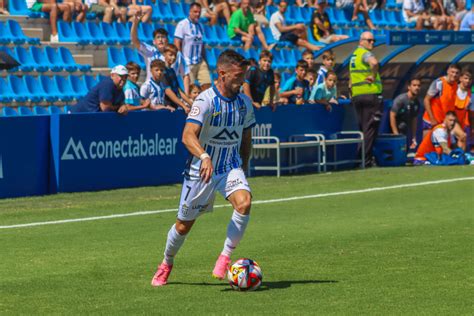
427, 104
174, 98
444, 146
246, 148
393, 123
191, 141
134, 30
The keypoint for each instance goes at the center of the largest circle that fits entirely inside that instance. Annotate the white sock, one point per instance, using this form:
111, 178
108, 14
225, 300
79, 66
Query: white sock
173, 243
235, 232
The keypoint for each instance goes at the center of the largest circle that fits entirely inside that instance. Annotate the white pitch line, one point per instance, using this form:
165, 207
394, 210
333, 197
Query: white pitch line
295, 198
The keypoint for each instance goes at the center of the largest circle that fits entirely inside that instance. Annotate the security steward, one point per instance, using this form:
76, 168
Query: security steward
366, 88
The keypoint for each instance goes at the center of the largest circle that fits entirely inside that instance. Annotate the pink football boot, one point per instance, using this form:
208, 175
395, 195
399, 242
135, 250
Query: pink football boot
161, 276
222, 265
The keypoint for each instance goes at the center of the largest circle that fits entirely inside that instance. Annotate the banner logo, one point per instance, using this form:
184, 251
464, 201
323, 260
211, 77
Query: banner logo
78, 151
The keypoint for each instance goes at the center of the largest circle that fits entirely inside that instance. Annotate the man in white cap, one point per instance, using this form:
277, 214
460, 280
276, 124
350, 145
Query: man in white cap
107, 95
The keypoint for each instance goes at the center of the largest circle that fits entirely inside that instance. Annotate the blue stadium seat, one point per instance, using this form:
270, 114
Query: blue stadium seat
165, 13
68, 62
232, 42
35, 91
142, 36
210, 36
221, 34
54, 59
24, 111
8, 111
123, 33
284, 78
52, 93
64, 88
211, 58
97, 36
389, 18
100, 77
39, 57
297, 55
90, 81
67, 109
132, 55
254, 53
111, 36
66, 33
53, 109
177, 11
12, 53
18, 89
17, 34
78, 86
278, 60
242, 52
170, 28
40, 110
115, 57
18, 7
25, 59
6, 95
5, 38
83, 36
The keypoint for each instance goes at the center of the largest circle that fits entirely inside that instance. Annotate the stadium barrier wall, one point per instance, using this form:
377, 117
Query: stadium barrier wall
96, 151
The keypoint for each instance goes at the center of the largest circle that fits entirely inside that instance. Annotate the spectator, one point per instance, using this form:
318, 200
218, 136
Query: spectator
150, 53
464, 99
153, 89
234, 5
188, 38
54, 9
260, 14
308, 57
212, 11
459, 12
311, 78
440, 140
2, 9
131, 90
357, 6
440, 98
297, 88
259, 79
194, 91
321, 25
77, 8
438, 19
130, 8
366, 92
277, 99
295, 34
414, 12
326, 92
467, 23
107, 95
101, 7
170, 81
405, 110
242, 26
327, 65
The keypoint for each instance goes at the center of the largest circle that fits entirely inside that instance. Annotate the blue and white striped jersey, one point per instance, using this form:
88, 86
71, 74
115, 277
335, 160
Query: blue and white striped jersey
191, 35
150, 53
223, 121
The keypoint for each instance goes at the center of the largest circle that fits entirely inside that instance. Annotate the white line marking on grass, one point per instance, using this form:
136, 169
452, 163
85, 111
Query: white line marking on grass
295, 198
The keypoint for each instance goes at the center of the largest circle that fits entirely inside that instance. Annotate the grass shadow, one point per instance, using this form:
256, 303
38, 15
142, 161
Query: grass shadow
266, 286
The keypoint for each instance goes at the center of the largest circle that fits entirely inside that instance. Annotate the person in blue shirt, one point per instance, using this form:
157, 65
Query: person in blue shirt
107, 95
326, 93
131, 89
297, 88
467, 23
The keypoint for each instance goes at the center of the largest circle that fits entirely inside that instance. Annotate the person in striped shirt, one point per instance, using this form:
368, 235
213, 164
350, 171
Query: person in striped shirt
218, 136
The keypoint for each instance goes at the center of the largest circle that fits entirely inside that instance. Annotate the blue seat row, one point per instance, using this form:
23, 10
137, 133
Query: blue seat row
36, 110
121, 56
44, 88
18, 7
107, 33
41, 60
11, 32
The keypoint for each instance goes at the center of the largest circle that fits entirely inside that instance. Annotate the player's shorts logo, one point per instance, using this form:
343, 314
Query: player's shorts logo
194, 111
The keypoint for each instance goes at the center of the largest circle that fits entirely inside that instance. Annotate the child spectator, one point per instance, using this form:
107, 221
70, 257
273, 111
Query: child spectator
326, 92
277, 99
308, 57
131, 89
194, 91
258, 79
328, 64
297, 88
153, 88
311, 77
172, 90
54, 9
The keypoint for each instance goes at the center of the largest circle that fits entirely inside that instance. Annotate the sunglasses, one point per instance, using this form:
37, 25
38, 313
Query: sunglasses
370, 40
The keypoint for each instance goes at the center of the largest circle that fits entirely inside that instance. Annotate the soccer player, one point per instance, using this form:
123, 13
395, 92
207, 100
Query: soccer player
218, 136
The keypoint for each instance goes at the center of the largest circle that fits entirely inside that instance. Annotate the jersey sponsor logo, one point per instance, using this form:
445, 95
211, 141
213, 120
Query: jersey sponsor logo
216, 114
226, 135
194, 111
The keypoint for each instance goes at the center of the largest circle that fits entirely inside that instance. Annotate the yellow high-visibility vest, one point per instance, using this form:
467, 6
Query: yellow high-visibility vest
359, 71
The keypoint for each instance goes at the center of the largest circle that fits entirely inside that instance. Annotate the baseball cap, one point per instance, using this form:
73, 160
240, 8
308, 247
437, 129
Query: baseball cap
119, 70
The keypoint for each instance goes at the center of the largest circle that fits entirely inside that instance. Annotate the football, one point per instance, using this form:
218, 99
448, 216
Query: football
245, 275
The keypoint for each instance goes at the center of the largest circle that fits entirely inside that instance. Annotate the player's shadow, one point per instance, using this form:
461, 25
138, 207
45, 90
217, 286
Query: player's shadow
266, 286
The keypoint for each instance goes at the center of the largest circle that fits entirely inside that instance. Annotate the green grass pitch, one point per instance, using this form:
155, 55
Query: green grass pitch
403, 251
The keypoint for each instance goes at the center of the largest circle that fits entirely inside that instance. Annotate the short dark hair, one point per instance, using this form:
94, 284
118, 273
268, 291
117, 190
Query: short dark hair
193, 86
158, 63
302, 63
451, 113
466, 72
160, 31
230, 57
171, 48
267, 54
455, 66
413, 79
195, 4
312, 71
307, 52
328, 54
131, 66
277, 76
331, 73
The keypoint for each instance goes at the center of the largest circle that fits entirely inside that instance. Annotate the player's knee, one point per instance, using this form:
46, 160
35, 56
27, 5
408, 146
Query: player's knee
183, 228
244, 204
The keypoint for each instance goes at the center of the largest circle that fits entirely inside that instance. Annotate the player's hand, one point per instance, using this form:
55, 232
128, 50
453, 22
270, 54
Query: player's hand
206, 170
187, 109
122, 110
433, 122
370, 79
256, 105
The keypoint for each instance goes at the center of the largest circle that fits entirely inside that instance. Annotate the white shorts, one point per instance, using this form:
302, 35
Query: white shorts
197, 197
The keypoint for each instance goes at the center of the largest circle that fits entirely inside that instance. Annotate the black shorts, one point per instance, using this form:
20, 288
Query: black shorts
289, 37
